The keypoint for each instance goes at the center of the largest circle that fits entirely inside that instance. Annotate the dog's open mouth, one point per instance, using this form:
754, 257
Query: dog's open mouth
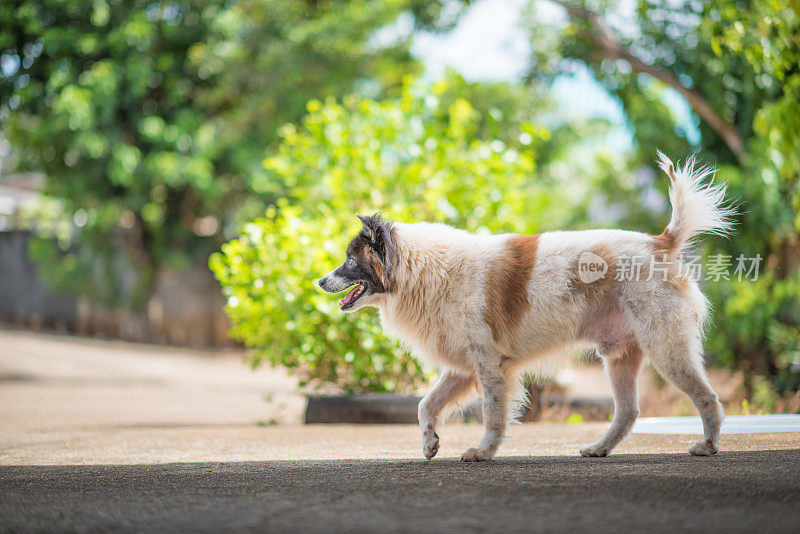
353, 295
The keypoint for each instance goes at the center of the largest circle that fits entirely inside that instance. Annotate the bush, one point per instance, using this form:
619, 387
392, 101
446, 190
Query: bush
417, 157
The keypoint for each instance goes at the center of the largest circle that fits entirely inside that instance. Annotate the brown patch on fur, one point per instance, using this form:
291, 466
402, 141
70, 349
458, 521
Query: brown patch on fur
507, 285
597, 291
678, 282
665, 243
674, 279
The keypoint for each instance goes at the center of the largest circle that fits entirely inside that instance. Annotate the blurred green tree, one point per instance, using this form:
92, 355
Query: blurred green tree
425, 155
150, 118
737, 64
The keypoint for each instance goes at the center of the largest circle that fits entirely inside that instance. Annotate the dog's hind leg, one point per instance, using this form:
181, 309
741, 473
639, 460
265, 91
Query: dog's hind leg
494, 390
449, 389
681, 363
623, 369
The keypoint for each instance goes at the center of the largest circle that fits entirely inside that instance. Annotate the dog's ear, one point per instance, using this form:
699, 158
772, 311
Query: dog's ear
368, 230
378, 232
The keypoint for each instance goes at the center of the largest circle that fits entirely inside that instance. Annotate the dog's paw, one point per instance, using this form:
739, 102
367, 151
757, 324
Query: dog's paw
703, 448
430, 445
594, 450
474, 454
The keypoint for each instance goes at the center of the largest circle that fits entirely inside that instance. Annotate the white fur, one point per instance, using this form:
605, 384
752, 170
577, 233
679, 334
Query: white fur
438, 310
698, 205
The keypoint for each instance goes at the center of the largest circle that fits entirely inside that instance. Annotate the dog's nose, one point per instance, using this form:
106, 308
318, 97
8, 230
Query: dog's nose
322, 282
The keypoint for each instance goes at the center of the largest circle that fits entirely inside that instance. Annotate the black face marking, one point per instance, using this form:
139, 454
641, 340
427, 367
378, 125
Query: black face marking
370, 258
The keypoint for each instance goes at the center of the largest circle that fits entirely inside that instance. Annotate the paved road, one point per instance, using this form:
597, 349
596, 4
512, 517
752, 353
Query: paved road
99, 436
732, 492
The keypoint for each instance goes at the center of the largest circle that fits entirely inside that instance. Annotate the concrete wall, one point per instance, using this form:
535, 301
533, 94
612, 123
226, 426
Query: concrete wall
186, 309
24, 299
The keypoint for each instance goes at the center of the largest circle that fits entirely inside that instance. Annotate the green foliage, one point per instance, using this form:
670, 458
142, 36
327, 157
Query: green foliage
757, 328
574, 419
772, 51
417, 157
761, 330
154, 116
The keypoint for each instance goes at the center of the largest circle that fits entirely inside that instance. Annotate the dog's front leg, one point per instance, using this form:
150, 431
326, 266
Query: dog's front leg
493, 388
448, 389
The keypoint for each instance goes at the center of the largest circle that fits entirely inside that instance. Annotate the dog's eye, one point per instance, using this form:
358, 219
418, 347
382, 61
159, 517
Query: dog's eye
351, 262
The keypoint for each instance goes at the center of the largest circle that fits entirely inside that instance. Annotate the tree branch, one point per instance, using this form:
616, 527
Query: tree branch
602, 35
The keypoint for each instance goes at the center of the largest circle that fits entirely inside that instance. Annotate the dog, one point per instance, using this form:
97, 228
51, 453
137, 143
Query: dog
483, 309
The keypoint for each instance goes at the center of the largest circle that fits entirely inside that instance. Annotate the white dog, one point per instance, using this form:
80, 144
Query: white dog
484, 308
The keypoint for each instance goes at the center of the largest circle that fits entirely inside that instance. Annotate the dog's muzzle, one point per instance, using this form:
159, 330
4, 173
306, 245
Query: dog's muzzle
331, 283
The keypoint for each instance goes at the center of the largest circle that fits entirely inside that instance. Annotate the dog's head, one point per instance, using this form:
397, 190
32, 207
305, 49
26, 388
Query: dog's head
368, 269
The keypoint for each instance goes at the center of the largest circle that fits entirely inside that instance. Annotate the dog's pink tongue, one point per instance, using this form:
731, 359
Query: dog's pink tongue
347, 298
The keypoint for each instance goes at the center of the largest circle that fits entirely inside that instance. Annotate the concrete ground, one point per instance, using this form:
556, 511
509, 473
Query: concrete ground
99, 436
52, 382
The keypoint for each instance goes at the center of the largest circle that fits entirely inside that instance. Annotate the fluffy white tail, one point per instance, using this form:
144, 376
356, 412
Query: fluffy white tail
698, 206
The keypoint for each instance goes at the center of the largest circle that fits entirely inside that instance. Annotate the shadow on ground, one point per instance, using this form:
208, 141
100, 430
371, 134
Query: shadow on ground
731, 492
